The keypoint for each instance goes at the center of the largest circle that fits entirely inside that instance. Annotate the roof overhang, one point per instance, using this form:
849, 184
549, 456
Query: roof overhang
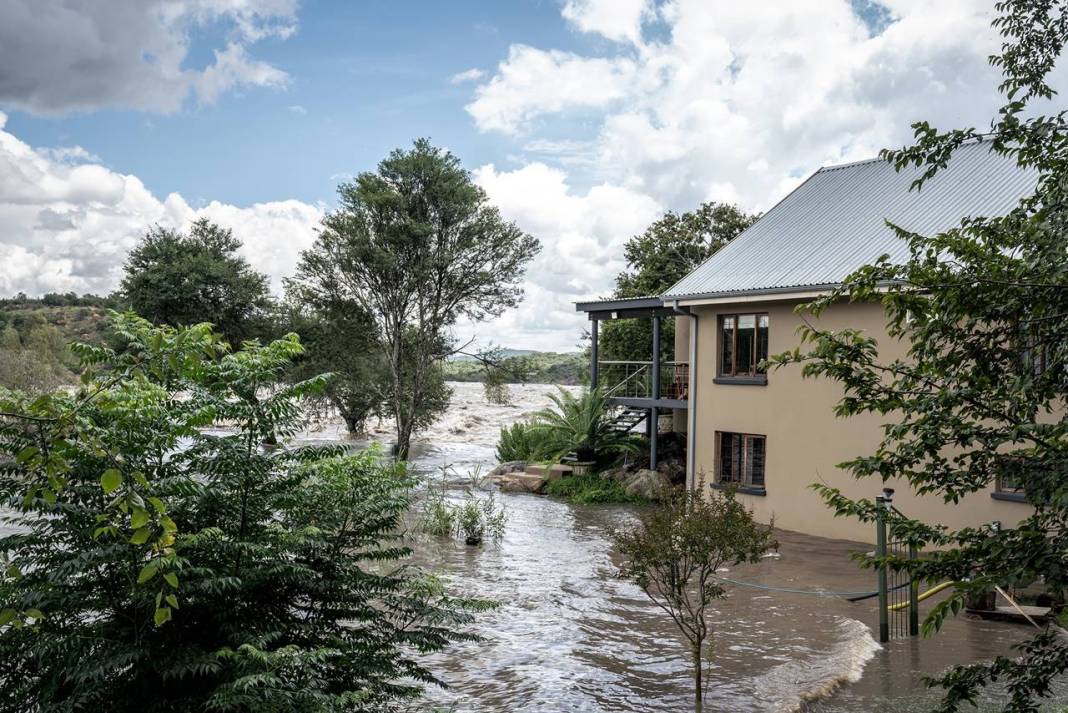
634, 308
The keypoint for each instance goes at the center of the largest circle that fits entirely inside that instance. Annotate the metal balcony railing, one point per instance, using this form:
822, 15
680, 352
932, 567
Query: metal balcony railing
634, 379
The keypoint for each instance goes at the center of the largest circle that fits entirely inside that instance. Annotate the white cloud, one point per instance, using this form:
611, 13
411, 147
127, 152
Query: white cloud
619, 20
69, 226
582, 235
57, 56
532, 82
468, 75
726, 101
297, 109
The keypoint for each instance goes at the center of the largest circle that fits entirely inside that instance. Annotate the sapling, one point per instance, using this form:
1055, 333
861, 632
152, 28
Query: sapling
673, 554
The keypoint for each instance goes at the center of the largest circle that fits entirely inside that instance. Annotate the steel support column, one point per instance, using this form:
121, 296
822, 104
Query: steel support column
654, 413
593, 353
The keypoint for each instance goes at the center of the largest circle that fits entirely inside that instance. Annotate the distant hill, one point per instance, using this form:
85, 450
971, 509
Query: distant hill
543, 367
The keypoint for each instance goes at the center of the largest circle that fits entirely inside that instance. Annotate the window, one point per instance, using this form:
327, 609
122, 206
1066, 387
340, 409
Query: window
743, 344
741, 460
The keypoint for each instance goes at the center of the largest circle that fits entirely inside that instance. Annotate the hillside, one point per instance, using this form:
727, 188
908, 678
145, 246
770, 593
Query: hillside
543, 367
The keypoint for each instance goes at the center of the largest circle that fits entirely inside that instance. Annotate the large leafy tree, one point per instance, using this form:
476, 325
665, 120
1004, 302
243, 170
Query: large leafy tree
982, 392
157, 564
184, 279
667, 251
418, 246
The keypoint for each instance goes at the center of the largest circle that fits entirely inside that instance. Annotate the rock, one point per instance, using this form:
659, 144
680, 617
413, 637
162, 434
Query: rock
521, 483
648, 484
512, 466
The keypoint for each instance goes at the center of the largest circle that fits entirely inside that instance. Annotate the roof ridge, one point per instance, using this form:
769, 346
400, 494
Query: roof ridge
879, 159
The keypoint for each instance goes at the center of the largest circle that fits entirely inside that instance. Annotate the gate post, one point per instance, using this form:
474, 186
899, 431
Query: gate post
880, 551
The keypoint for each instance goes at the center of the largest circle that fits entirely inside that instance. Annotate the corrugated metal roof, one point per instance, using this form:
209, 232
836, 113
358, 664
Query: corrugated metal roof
834, 222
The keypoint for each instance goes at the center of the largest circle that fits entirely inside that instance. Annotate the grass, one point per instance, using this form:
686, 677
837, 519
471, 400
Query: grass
591, 489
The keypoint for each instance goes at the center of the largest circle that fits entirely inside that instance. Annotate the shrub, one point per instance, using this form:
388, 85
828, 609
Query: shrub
591, 489
523, 441
580, 422
156, 566
472, 519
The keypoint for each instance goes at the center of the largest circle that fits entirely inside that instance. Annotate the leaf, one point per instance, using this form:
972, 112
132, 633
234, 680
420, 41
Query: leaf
26, 454
172, 579
35, 614
7, 616
163, 615
148, 572
110, 480
172, 601
141, 536
139, 518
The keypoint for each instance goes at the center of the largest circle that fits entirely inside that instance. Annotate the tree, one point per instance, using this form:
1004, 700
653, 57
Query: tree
673, 555
667, 251
158, 565
983, 310
340, 338
418, 246
177, 279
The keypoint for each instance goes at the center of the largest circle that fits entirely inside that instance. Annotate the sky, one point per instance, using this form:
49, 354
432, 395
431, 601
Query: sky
583, 120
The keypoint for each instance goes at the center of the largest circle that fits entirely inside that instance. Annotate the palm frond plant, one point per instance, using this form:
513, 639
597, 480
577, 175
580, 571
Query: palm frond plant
580, 423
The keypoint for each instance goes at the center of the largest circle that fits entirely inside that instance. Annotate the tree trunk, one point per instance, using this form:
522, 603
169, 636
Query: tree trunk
351, 423
698, 672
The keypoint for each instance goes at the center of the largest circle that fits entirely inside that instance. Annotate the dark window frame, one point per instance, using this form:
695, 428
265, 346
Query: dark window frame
753, 375
753, 485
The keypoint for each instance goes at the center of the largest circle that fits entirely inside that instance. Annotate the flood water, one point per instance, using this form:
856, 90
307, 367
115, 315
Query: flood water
570, 636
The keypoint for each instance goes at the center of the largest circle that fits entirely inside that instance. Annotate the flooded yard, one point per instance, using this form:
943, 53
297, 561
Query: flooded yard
570, 636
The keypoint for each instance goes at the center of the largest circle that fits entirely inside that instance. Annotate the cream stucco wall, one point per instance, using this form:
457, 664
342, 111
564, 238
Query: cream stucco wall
805, 440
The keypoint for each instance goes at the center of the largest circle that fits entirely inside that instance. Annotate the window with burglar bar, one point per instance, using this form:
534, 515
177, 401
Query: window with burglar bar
741, 460
743, 344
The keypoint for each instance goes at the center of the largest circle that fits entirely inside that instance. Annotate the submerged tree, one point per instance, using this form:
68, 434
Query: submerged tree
418, 246
980, 397
158, 565
185, 279
339, 338
666, 252
673, 555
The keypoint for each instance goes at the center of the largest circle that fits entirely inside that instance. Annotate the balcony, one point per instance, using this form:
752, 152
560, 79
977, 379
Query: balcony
631, 383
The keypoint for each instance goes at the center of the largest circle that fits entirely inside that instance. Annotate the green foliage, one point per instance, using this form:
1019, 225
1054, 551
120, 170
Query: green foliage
156, 564
474, 517
578, 422
667, 251
673, 555
417, 245
591, 489
340, 338
523, 441
982, 391
179, 279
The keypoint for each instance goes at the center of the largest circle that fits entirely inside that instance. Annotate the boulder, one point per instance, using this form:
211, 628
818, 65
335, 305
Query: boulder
521, 483
648, 484
512, 466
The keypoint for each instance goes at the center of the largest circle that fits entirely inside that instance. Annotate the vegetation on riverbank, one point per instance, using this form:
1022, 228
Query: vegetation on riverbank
564, 368
593, 488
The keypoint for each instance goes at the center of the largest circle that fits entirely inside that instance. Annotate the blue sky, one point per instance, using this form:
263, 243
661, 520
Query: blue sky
584, 120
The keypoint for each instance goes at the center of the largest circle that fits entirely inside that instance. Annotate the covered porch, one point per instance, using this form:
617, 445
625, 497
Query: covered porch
642, 390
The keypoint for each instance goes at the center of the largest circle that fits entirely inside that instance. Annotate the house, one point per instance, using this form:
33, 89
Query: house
771, 435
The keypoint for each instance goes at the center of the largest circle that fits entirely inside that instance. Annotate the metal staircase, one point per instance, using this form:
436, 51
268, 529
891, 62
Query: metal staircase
628, 418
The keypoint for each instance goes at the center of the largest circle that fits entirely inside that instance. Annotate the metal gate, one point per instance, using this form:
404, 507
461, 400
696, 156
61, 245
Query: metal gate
899, 609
